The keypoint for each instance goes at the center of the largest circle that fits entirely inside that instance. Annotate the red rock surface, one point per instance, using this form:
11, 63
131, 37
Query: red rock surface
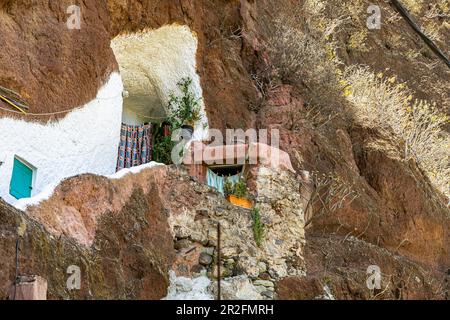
57, 69
116, 233
341, 264
400, 222
52, 67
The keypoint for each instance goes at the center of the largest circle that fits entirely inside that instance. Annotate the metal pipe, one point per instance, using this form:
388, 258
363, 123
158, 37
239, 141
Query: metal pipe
407, 16
218, 263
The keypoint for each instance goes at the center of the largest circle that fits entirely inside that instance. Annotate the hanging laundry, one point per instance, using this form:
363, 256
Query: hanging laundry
135, 147
216, 181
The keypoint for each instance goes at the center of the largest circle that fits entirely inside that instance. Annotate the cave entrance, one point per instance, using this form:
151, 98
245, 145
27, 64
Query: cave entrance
151, 63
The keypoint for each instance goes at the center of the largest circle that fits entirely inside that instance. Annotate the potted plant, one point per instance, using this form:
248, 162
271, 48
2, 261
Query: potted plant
185, 109
237, 193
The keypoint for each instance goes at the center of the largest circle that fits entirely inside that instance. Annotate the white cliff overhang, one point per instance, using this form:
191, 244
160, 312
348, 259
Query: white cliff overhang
151, 64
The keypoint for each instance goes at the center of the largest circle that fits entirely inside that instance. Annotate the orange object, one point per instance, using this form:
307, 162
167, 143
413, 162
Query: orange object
240, 202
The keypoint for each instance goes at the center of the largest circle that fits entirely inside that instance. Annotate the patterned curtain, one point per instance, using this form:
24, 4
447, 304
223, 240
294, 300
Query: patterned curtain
135, 146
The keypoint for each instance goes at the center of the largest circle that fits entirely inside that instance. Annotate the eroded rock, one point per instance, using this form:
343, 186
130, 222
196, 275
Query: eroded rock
205, 259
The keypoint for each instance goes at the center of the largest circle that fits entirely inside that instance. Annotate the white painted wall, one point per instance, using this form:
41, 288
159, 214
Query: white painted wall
84, 141
131, 118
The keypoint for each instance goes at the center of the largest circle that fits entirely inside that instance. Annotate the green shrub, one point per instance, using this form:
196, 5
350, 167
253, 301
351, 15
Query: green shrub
238, 189
162, 150
258, 226
184, 109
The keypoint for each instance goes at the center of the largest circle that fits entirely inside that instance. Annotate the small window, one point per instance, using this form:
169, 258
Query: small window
227, 170
22, 179
217, 175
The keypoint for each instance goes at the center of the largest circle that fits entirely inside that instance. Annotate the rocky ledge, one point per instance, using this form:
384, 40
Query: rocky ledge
126, 235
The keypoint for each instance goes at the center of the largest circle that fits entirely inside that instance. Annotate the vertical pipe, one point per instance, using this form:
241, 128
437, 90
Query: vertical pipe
218, 263
17, 268
409, 19
447, 282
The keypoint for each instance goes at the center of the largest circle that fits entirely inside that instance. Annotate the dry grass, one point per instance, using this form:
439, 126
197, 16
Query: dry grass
303, 52
414, 6
358, 41
331, 193
303, 46
432, 17
381, 103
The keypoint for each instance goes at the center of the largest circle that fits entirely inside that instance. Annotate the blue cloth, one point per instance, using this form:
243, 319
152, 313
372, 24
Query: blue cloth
217, 182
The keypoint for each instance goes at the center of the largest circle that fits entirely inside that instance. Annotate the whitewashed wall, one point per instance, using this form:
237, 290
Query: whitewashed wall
84, 141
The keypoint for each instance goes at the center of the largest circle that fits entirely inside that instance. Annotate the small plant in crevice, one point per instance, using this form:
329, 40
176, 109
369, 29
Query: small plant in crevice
258, 227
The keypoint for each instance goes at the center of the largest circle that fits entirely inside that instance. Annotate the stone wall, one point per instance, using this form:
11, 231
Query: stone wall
282, 212
282, 208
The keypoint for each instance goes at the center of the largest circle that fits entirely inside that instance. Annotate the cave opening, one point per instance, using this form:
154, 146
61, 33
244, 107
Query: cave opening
151, 64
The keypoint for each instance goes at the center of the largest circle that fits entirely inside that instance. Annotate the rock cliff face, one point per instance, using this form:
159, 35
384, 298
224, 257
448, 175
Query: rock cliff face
56, 69
131, 248
53, 67
133, 221
365, 205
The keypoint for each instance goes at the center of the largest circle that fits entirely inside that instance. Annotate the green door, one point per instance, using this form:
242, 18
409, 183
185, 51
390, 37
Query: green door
21, 180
